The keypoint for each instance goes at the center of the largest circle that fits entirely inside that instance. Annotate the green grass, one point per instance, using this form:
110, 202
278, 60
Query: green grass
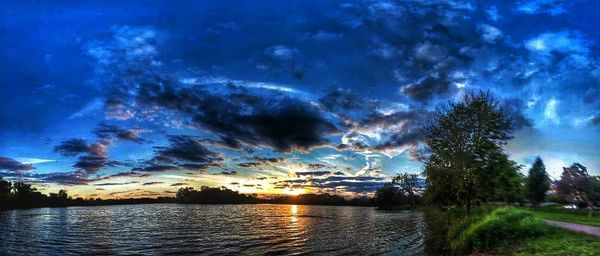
501, 227
558, 242
566, 215
518, 231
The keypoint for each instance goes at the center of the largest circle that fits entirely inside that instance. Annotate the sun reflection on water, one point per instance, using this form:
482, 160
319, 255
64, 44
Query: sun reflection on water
294, 213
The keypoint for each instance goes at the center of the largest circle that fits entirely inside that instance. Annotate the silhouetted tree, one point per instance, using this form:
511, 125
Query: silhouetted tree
5, 194
407, 184
388, 197
27, 196
464, 141
210, 195
538, 182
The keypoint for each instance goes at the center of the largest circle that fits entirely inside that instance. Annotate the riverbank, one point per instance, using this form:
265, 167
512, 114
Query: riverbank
505, 230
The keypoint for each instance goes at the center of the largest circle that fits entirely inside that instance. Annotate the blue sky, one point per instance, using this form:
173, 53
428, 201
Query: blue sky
138, 98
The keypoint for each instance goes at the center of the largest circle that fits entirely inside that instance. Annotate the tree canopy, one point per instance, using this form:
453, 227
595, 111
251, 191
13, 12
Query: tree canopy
538, 182
465, 157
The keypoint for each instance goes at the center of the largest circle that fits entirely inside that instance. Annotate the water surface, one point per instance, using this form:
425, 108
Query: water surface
211, 230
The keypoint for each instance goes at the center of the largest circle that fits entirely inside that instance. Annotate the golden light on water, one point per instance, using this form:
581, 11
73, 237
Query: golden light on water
294, 214
294, 209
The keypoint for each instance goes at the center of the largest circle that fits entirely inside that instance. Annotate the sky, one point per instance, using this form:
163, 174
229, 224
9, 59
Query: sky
140, 98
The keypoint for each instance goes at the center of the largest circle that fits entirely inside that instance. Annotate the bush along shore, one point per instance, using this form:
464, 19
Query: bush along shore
503, 230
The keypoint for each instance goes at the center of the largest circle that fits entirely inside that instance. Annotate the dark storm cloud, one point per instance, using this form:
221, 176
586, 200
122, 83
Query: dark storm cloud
228, 173
271, 160
251, 165
344, 99
239, 116
196, 167
179, 184
316, 166
108, 131
115, 183
124, 174
187, 149
355, 184
398, 129
150, 167
72, 147
67, 178
514, 109
260, 162
312, 173
14, 165
428, 88
94, 156
81, 177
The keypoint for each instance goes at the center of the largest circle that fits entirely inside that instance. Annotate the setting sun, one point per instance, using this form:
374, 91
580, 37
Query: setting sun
294, 192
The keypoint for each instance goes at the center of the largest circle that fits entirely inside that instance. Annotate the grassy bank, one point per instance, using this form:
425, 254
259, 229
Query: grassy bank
508, 231
567, 215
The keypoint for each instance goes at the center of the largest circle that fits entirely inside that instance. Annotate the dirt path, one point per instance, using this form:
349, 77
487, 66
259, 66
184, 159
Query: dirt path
575, 227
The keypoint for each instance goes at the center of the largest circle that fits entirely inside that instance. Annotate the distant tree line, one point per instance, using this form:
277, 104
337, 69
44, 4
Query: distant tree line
212, 195
321, 199
223, 195
20, 195
465, 164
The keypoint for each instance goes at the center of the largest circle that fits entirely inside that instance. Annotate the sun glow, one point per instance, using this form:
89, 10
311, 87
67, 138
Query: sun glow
293, 192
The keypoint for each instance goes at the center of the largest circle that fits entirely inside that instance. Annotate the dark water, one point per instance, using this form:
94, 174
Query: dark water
211, 230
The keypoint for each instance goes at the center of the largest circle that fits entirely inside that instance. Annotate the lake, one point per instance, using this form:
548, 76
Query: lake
211, 230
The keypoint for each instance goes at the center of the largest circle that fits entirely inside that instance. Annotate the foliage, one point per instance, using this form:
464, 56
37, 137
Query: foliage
502, 226
538, 182
210, 195
557, 242
402, 190
503, 230
318, 199
5, 194
578, 187
466, 158
407, 184
387, 197
22, 195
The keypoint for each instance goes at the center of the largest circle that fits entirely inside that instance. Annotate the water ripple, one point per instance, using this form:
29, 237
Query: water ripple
211, 230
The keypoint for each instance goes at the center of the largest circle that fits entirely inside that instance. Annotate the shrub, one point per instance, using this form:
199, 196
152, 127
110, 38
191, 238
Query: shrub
500, 227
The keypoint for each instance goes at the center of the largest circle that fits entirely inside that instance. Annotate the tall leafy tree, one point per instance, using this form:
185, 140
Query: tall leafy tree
464, 141
538, 182
577, 186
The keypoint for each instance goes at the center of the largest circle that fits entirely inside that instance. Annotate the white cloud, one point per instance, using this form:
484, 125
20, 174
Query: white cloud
492, 13
282, 52
219, 80
30, 160
563, 41
91, 107
489, 33
550, 111
552, 7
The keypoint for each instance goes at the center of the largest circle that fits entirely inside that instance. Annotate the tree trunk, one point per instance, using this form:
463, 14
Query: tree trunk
590, 206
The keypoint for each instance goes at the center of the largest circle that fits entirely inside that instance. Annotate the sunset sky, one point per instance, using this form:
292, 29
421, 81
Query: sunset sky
140, 98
